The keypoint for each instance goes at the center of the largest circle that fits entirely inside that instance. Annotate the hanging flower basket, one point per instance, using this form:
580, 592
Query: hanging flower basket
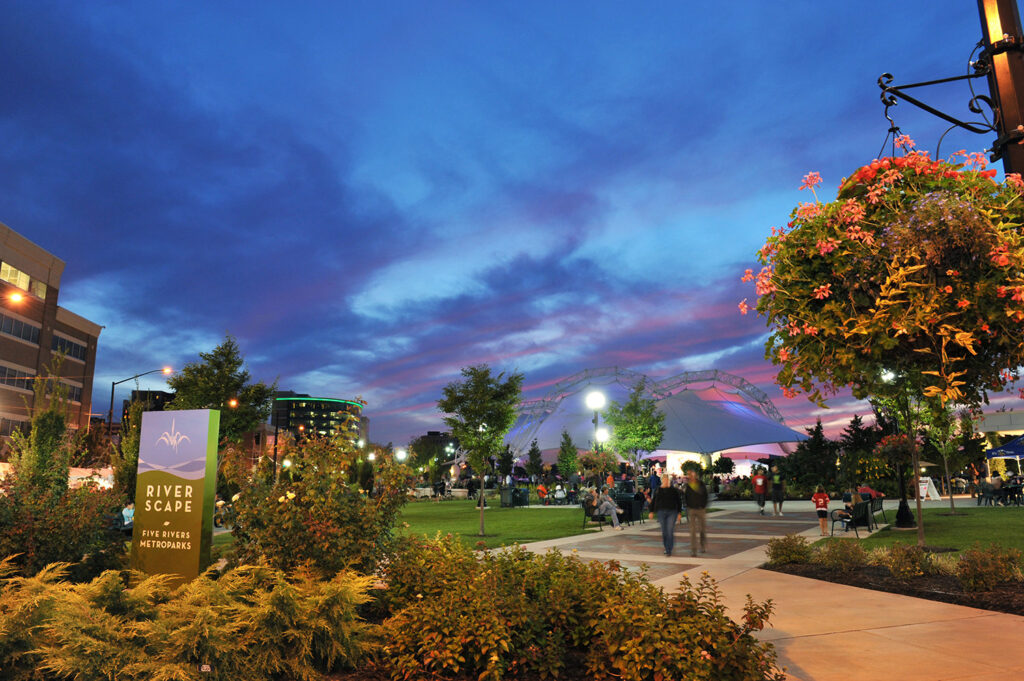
916, 269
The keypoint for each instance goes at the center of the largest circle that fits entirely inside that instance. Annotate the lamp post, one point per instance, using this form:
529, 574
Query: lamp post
110, 414
595, 400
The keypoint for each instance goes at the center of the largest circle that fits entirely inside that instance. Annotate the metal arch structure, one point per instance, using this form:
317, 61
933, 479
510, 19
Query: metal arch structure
670, 386
532, 413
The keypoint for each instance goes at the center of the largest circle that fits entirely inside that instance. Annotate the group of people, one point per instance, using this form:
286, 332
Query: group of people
667, 504
761, 482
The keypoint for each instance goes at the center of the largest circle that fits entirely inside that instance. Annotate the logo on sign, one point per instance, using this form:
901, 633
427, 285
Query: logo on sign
173, 439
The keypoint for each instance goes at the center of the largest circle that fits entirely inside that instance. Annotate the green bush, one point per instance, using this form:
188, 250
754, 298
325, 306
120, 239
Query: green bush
907, 561
252, 623
981, 569
791, 548
314, 514
513, 613
841, 555
43, 526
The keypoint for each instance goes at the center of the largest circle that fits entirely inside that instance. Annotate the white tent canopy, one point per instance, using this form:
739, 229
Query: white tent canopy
712, 412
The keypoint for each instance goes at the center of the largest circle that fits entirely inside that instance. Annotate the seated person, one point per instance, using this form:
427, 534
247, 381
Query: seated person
573, 494
559, 494
128, 516
870, 493
542, 493
606, 506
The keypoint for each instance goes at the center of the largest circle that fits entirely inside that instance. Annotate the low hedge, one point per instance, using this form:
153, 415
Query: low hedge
514, 613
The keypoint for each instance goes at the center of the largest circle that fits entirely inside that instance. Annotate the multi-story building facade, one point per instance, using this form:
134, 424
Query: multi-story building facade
34, 329
306, 416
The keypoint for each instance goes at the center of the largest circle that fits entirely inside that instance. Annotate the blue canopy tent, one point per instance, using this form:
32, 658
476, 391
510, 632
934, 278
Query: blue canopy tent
1014, 449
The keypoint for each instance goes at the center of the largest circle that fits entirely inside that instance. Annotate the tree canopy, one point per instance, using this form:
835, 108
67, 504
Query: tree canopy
215, 382
637, 426
568, 456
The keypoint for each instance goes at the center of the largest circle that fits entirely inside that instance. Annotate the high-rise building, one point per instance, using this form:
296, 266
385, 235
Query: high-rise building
34, 328
306, 416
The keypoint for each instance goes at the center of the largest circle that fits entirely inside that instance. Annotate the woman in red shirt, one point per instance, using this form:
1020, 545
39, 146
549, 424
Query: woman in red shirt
820, 500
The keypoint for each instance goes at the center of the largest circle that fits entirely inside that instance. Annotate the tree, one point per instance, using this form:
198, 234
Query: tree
946, 433
426, 451
637, 426
534, 460
506, 459
480, 410
723, 465
126, 462
568, 456
857, 459
220, 381
909, 285
813, 462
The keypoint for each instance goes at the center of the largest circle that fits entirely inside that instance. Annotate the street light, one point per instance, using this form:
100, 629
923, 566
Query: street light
110, 414
595, 400
401, 454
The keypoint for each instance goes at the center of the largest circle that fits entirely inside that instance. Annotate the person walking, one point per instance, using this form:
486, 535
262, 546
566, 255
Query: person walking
695, 495
778, 491
668, 506
760, 485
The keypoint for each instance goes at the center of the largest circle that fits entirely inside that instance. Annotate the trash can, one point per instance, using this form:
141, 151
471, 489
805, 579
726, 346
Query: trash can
522, 497
507, 497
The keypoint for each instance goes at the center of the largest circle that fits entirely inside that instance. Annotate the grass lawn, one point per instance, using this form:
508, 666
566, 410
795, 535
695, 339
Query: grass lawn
983, 524
223, 539
502, 526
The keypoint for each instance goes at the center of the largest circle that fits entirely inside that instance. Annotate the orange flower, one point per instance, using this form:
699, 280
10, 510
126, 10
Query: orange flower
744, 308
811, 180
823, 291
748, 275
963, 303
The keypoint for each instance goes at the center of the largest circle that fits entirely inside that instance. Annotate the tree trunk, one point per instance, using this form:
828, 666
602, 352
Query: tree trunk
917, 498
480, 502
949, 483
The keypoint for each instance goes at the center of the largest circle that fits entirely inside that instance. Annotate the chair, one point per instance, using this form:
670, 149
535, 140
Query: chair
589, 514
839, 516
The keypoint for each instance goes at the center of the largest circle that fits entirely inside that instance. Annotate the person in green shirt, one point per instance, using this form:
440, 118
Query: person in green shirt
778, 491
695, 494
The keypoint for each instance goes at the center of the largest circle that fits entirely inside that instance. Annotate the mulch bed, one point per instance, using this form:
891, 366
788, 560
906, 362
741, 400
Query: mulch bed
1007, 597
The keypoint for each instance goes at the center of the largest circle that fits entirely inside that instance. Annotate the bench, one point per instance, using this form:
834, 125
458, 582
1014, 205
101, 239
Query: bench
861, 516
876, 507
589, 514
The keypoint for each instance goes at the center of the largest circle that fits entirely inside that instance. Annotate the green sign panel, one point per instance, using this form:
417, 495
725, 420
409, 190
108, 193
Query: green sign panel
174, 492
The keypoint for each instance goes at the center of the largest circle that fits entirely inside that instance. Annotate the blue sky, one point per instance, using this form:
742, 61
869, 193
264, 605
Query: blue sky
370, 196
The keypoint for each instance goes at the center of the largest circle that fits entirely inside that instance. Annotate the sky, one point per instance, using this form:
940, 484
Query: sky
370, 196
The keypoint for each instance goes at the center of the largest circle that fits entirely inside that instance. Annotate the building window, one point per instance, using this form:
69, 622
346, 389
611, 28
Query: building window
37, 288
74, 392
8, 427
13, 275
19, 329
69, 348
16, 378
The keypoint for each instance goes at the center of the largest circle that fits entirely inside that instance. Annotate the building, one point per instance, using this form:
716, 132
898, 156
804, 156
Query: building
34, 328
304, 416
155, 400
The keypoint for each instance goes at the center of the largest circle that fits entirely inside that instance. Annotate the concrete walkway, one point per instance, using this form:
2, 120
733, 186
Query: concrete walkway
821, 630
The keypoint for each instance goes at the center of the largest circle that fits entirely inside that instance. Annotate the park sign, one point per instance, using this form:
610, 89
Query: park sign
174, 492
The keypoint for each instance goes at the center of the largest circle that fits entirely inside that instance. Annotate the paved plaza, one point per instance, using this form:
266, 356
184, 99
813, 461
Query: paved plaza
821, 630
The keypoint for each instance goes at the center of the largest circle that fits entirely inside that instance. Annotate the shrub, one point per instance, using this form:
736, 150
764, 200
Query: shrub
44, 526
906, 561
982, 569
313, 514
789, 549
252, 623
841, 555
513, 613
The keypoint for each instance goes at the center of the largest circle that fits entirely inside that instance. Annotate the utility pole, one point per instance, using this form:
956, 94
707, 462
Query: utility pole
1004, 45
